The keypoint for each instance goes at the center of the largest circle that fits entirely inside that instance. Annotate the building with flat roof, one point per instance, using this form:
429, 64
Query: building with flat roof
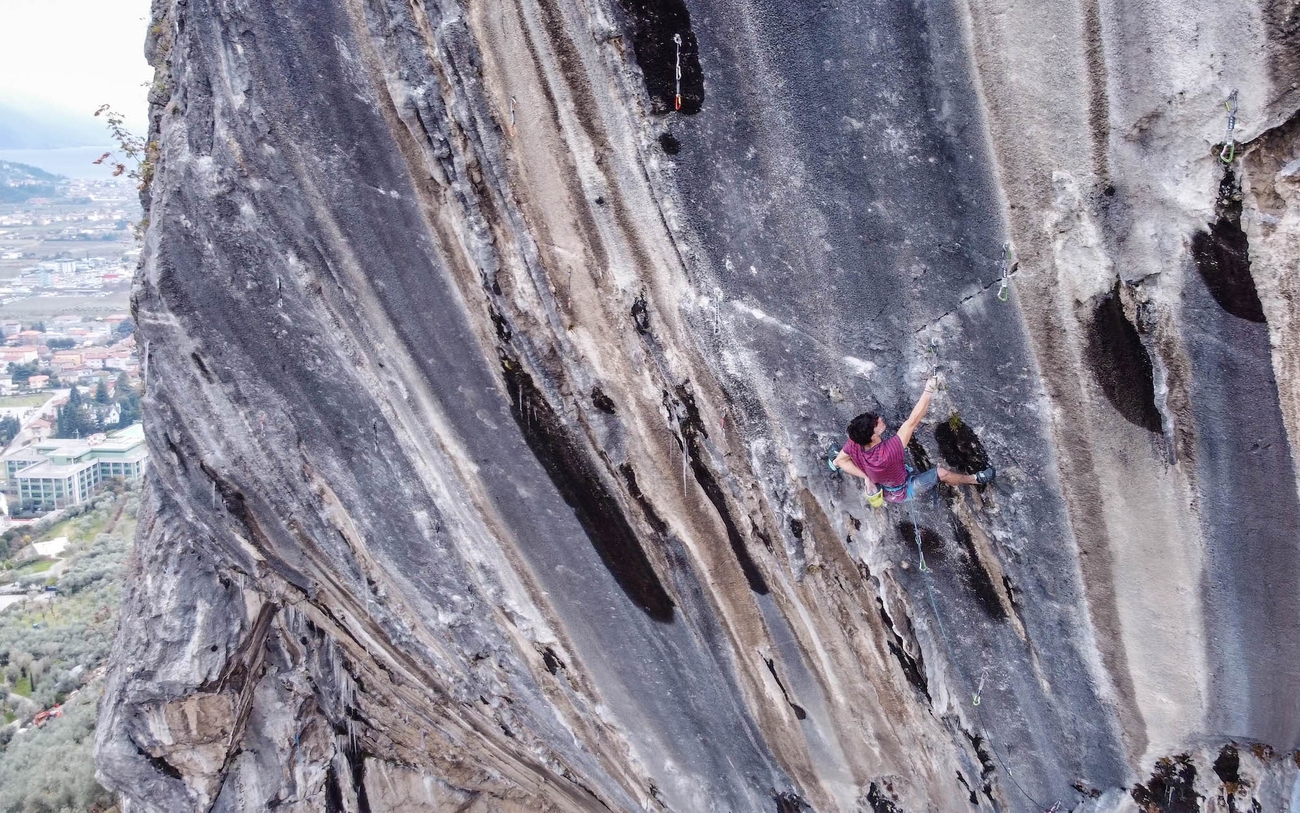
58, 472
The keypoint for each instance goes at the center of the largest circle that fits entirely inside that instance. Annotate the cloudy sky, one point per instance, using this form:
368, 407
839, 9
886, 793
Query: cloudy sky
74, 55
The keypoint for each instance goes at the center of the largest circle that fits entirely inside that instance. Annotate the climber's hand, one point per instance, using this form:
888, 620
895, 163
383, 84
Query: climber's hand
932, 386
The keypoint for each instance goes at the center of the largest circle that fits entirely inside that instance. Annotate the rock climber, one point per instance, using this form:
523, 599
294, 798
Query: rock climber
880, 462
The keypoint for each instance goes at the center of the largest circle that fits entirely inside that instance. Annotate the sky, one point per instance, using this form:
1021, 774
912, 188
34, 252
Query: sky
71, 56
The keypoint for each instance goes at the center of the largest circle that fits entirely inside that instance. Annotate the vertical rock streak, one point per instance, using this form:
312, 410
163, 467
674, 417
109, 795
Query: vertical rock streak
489, 399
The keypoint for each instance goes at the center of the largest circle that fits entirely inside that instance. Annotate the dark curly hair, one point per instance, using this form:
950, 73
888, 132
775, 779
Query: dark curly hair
863, 427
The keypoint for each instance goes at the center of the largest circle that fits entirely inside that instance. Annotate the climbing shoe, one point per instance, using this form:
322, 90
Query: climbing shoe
985, 477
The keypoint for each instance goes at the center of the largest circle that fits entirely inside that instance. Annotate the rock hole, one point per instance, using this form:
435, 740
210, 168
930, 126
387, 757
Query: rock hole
584, 490
961, 448
160, 765
669, 144
654, 24
1171, 788
551, 661
1222, 256
1228, 768
920, 457
502, 326
787, 802
796, 528
601, 401
641, 315
880, 803
1120, 364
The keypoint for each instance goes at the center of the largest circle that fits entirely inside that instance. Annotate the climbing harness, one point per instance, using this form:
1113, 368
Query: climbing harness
1229, 151
1005, 288
677, 38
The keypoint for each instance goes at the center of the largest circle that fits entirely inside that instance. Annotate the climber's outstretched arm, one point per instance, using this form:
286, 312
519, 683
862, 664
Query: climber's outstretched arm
908, 428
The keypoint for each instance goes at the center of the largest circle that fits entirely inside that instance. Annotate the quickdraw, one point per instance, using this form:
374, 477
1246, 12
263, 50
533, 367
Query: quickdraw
1004, 290
1229, 151
512, 115
677, 38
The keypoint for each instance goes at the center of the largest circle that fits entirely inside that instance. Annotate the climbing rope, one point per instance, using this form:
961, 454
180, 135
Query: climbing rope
927, 577
1229, 151
916, 529
965, 684
677, 38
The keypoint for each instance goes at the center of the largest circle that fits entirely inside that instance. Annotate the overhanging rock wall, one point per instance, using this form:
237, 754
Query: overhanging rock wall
489, 396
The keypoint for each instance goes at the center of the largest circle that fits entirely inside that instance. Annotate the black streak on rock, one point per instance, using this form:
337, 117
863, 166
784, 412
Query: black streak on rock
1120, 364
981, 584
655, 23
692, 429
931, 542
974, 797
633, 488
913, 668
669, 144
1222, 257
333, 792
357, 764
987, 767
1171, 788
798, 709
583, 489
960, 446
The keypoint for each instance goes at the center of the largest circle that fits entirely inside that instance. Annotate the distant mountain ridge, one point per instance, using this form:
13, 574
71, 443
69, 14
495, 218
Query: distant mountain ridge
20, 182
32, 129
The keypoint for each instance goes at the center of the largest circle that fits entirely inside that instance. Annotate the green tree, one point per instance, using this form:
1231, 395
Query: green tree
39, 326
60, 344
9, 428
124, 328
20, 373
101, 392
72, 420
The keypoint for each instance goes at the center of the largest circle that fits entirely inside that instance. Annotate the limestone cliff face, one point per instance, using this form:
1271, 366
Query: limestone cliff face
489, 396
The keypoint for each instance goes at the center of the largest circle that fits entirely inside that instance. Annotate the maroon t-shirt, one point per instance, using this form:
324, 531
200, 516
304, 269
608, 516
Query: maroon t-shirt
883, 463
